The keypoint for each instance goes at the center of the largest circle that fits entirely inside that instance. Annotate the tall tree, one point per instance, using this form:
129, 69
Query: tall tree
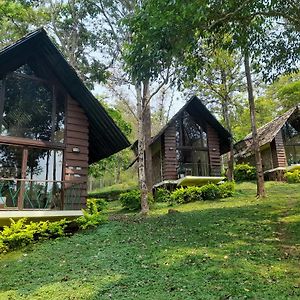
217, 83
17, 18
253, 27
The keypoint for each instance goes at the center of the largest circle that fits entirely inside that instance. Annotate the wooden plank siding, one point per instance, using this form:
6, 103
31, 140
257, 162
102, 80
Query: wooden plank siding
169, 151
278, 151
76, 164
213, 143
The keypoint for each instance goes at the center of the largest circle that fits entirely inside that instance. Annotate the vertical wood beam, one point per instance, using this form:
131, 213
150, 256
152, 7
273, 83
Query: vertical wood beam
23, 177
2, 99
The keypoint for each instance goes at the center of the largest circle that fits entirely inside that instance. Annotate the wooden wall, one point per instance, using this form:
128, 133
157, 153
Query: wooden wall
213, 142
156, 162
278, 151
75, 164
169, 153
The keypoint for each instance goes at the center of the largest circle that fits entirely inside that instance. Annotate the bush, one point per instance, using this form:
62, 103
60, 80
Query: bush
292, 177
90, 219
226, 189
186, 195
210, 191
19, 233
94, 205
162, 195
244, 172
131, 200
206, 192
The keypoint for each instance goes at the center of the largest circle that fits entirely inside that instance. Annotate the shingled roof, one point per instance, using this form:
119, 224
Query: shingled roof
199, 111
105, 138
266, 133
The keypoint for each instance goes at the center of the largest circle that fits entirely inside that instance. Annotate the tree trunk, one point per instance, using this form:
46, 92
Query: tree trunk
141, 152
226, 117
147, 134
259, 170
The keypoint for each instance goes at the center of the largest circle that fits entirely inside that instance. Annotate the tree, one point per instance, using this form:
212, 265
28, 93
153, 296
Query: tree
118, 161
74, 26
253, 27
285, 92
217, 83
17, 18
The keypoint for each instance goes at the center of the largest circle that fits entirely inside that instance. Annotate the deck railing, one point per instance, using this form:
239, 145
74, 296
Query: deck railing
38, 194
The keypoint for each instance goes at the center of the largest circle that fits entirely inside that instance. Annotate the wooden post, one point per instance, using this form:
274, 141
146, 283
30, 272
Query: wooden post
23, 177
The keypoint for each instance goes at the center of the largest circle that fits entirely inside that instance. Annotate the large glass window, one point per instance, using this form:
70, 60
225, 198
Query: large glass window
191, 147
31, 107
291, 137
189, 133
31, 176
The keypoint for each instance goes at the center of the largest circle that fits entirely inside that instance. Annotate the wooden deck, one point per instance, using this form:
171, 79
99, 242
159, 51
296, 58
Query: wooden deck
37, 215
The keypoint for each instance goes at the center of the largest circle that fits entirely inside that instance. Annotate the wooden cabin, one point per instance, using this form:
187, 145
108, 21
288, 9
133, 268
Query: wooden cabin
191, 144
51, 129
279, 142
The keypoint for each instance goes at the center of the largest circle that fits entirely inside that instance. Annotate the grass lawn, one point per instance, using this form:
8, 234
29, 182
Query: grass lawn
237, 248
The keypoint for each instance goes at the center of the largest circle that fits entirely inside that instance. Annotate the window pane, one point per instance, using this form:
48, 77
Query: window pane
32, 107
27, 109
292, 154
192, 162
44, 165
10, 167
10, 161
189, 133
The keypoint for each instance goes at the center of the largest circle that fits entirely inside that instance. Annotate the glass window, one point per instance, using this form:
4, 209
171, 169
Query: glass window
31, 107
190, 133
44, 165
10, 168
192, 162
291, 131
10, 161
292, 154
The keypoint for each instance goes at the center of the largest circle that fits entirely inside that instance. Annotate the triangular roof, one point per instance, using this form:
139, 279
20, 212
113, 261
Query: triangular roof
265, 134
199, 111
105, 138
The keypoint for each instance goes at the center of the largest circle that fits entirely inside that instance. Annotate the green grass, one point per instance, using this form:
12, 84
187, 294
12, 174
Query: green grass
238, 248
112, 192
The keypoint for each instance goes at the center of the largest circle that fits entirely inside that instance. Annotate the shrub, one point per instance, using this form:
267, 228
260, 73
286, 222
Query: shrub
162, 195
206, 192
96, 205
292, 177
91, 219
226, 189
186, 195
244, 172
131, 200
210, 191
19, 233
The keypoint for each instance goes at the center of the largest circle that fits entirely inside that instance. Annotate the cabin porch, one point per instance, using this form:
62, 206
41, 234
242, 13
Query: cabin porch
49, 195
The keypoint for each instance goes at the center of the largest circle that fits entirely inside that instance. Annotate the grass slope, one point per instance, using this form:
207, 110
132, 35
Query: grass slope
238, 248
